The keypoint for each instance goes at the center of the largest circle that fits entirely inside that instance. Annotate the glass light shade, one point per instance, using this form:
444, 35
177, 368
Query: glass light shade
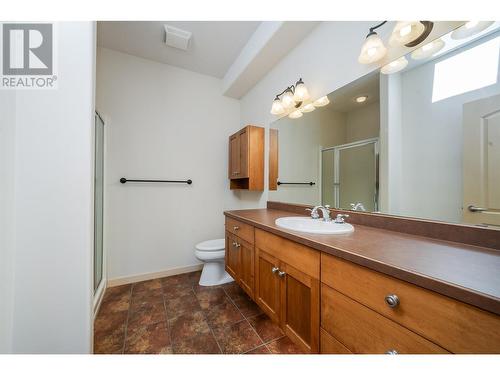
307, 108
406, 32
287, 100
301, 93
470, 28
277, 108
373, 50
395, 66
296, 114
321, 102
361, 99
428, 50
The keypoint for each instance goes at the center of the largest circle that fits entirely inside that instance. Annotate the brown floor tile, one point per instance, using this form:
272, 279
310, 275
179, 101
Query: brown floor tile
147, 315
144, 286
182, 279
181, 305
247, 307
150, 339
266, 328
284, 346
260, 350
110, 341
237, 338
188, 326
233, 290
176, 291
117, 292
107, 322
209, 297
223, 314
115, 305
142, 299
201, 344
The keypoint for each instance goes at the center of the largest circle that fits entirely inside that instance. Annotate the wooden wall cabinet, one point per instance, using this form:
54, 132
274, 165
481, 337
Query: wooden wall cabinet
246, 159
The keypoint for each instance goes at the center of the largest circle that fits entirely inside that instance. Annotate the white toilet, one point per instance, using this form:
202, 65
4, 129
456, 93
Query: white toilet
212, 254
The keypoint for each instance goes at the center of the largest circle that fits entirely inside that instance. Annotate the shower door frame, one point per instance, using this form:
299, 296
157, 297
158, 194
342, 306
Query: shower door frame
336, 168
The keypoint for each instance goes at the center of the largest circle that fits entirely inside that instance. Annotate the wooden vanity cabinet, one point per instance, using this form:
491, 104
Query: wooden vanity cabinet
246, 158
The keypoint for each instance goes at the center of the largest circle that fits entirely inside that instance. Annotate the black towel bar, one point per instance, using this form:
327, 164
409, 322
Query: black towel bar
189, 182
296, 183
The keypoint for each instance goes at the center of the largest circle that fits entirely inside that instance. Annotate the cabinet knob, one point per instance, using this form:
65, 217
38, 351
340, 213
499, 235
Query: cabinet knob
236, 228
274, 269
392, 300
392, 352
236, 244
281, 273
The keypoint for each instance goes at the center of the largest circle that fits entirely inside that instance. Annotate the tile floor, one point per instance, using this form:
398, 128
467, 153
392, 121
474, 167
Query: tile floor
175, 315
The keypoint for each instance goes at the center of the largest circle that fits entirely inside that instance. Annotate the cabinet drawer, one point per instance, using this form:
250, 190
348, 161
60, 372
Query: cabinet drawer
330, 345
364, 331
456, 326
240, 229
303, 258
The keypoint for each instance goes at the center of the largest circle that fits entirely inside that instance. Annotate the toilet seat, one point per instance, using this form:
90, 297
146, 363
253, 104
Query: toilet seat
211, 245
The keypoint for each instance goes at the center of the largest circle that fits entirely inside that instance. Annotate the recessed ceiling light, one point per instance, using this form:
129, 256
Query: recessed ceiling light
361, 99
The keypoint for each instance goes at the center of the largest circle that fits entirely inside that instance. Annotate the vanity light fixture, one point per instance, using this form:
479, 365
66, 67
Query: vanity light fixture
292, 97
395, 66
361, 99
470, 28
295, 114
373, 48
410, 33
428, 50
307, 108
321, 102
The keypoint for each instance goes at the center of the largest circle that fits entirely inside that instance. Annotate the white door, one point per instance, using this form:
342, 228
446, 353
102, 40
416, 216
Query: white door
481, 164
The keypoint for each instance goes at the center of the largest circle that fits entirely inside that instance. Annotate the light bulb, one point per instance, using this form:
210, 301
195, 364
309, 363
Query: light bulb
296, 114
301, 92
321, 102
406, 32
307, 108
395, 66
287, 100
373, 49
277, 108
361, 99
470, 28
428, 50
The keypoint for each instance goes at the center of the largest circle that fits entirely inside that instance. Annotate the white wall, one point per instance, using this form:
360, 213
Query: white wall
49, 215
162, 122
363, 122
327, 60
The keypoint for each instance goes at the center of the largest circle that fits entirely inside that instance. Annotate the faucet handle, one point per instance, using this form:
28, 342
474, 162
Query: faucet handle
340, 219
314, 213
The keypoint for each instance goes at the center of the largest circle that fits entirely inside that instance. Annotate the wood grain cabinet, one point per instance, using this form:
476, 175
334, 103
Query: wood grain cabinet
246, 159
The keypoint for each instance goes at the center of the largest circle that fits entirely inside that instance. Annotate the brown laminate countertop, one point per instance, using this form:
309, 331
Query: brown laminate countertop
470, 274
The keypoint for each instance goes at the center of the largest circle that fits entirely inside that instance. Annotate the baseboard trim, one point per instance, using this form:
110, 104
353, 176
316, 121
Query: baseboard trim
154, 275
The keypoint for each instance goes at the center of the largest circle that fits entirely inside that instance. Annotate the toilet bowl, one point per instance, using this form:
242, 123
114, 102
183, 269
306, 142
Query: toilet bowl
212, 254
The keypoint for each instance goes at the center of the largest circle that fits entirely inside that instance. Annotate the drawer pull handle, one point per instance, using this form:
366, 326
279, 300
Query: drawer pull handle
392, 352
236, 228
392, 301
281, 273
274, 269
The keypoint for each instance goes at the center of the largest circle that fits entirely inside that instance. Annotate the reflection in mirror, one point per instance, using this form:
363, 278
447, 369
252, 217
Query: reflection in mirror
425, 142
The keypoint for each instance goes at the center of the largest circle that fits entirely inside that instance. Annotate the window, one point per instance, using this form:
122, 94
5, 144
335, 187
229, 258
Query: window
469, 70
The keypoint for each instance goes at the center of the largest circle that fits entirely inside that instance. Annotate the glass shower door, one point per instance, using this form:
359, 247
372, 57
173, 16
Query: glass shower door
98, 200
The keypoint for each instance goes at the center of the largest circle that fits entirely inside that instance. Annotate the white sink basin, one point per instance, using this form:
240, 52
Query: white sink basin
308, 225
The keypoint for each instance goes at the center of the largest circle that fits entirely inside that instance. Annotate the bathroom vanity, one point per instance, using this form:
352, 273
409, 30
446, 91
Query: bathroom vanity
373, 290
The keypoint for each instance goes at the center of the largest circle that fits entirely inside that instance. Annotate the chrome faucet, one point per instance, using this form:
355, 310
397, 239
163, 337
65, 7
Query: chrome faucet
340, 219
357, 207
325, 210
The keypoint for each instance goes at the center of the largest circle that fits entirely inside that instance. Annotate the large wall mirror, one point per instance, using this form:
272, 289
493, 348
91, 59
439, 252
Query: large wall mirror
419, 139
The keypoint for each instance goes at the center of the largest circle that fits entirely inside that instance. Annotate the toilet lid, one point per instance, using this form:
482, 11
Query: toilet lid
211, 245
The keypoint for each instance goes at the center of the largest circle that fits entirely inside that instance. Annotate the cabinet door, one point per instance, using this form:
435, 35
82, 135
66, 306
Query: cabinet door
244, 136
234, 156
232, 256
300, 304
246, 268
267, 284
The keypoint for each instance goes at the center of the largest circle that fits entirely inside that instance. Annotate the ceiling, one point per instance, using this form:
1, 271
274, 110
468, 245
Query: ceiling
214, 44
343, 99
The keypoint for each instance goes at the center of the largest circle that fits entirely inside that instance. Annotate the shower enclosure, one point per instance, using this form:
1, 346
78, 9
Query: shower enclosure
349, 175
98, 202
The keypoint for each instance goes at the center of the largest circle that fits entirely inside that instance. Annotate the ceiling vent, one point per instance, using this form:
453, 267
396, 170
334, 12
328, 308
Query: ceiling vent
177, 38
